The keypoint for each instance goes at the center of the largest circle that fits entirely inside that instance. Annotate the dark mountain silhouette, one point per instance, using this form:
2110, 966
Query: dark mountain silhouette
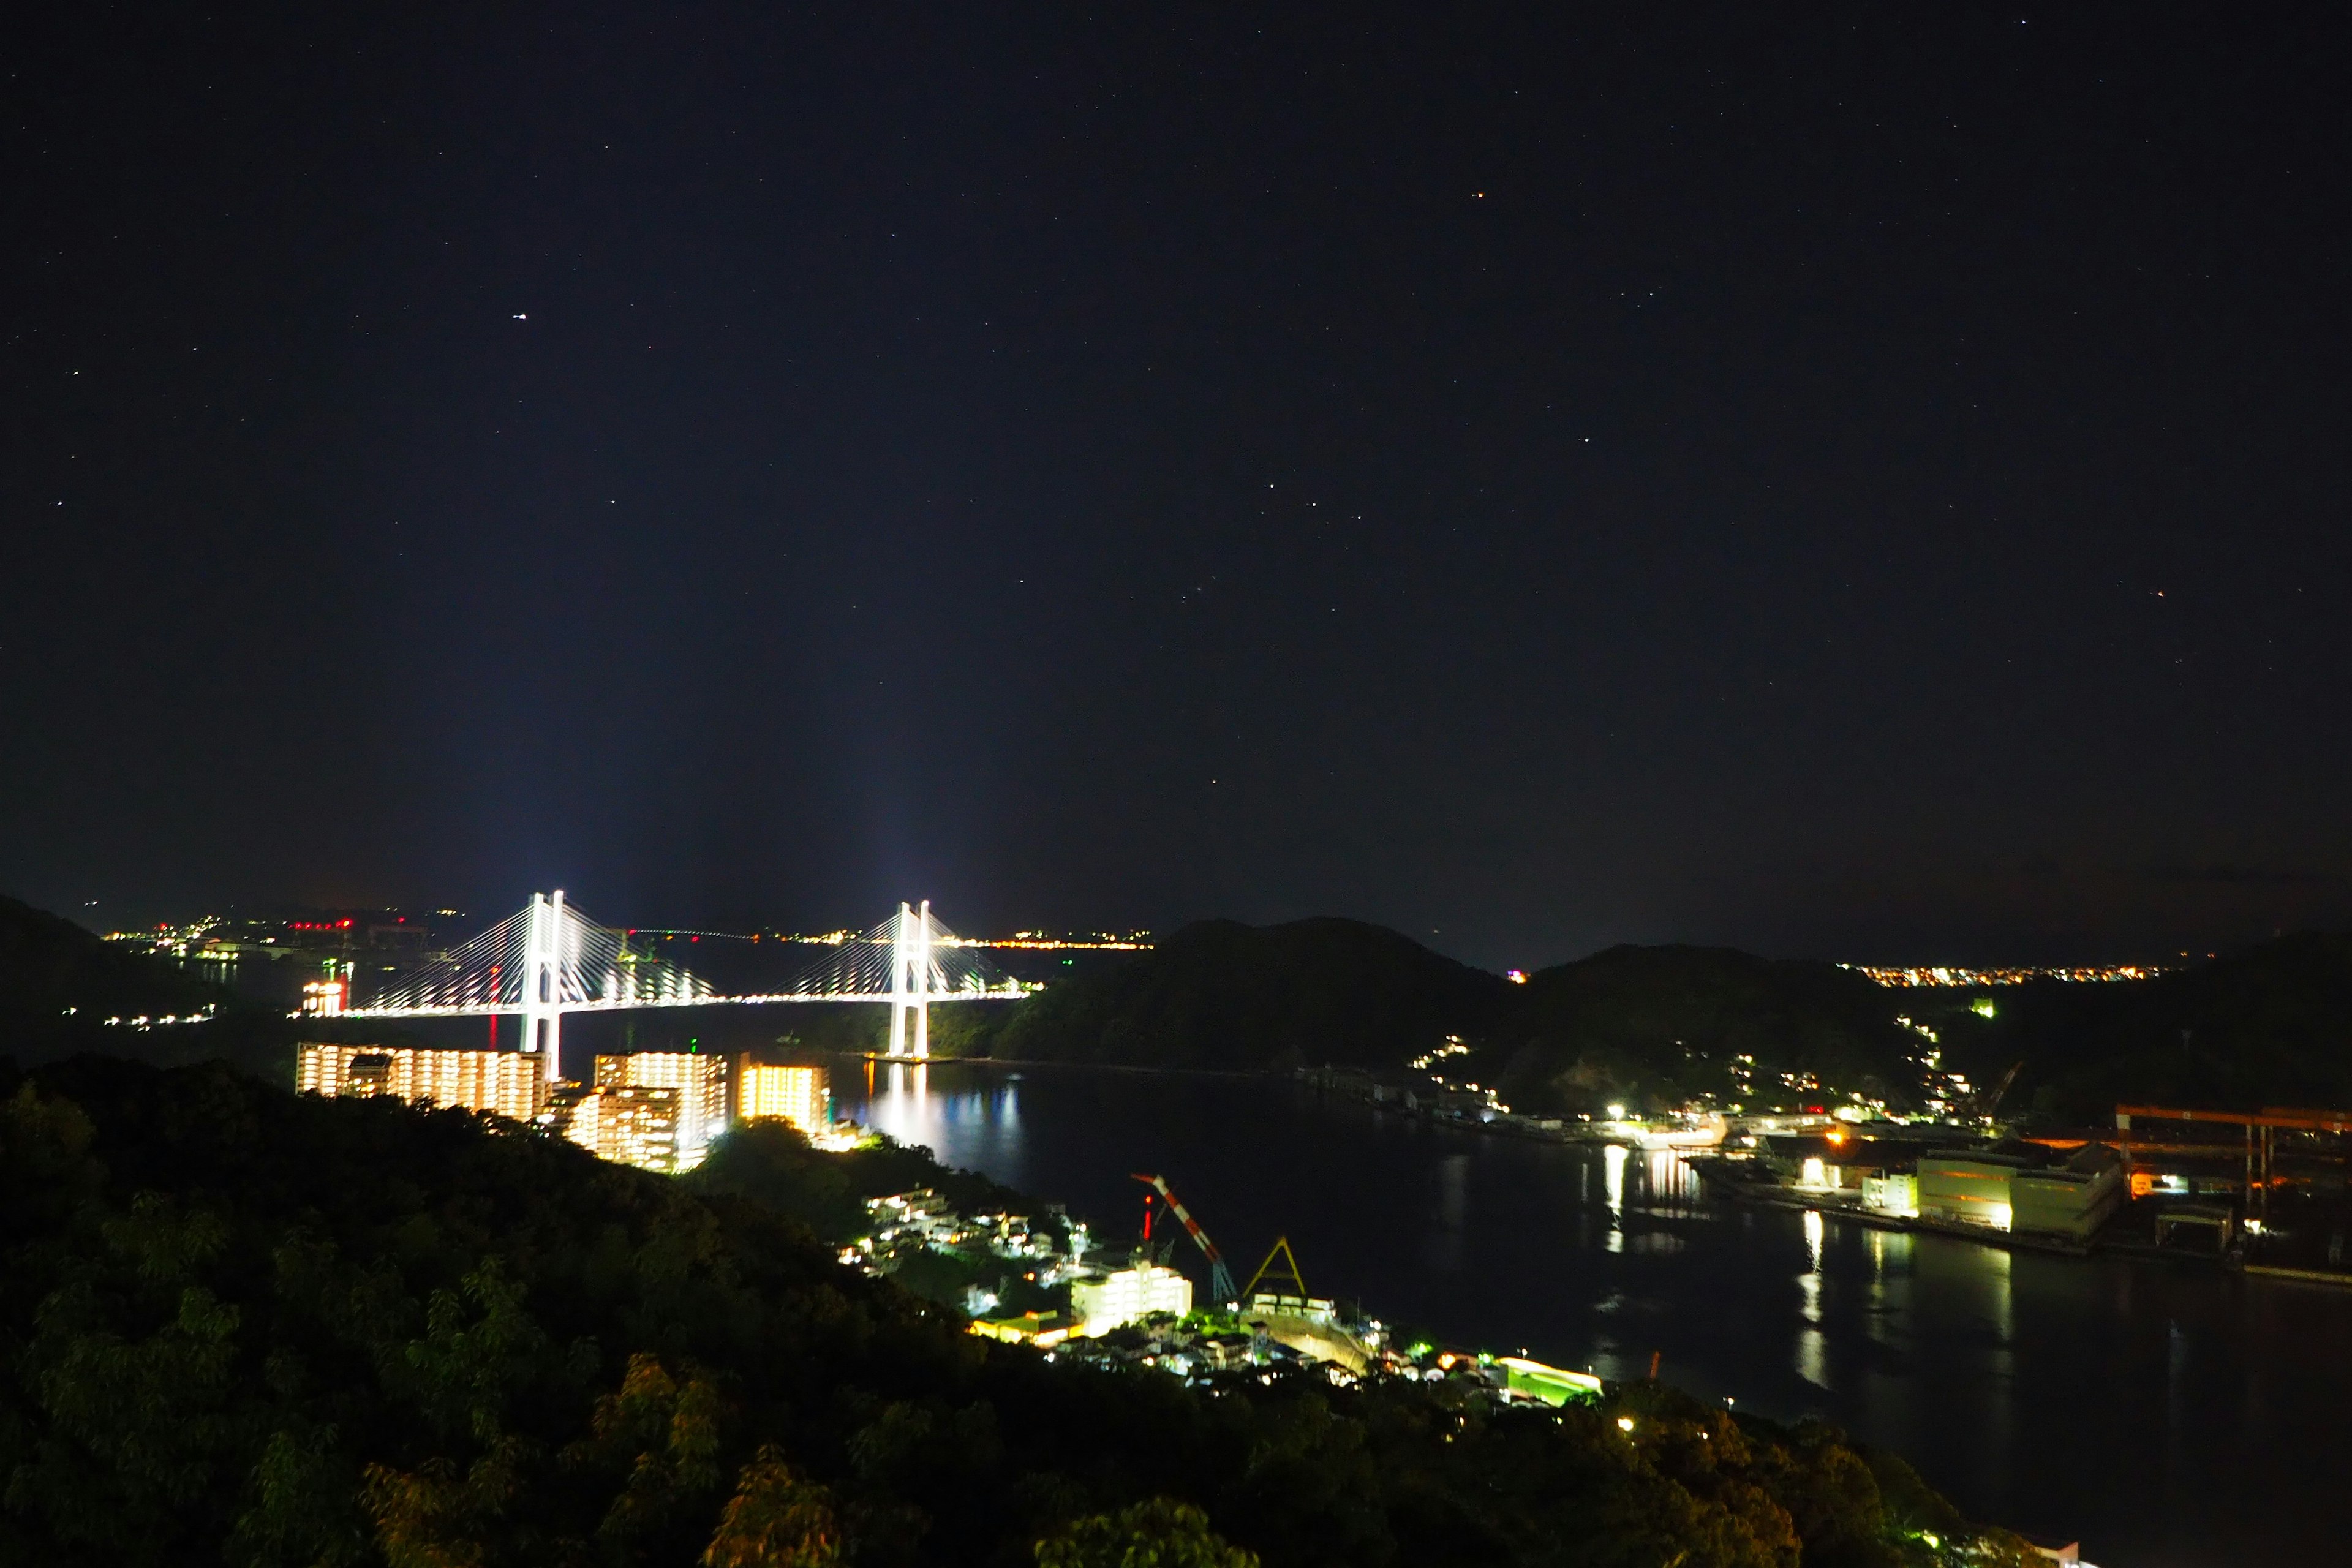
1219, 994
1665, 1024
60, 984
1652, 1026
2270, 1025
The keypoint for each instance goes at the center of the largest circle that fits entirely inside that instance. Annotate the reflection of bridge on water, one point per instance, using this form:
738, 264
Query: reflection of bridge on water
549, 958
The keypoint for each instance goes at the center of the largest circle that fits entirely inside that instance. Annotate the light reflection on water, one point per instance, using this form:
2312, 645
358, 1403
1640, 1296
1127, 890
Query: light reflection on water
2167, 1392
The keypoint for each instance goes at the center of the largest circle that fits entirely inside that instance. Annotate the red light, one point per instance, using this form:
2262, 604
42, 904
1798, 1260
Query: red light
343, 923
694, 938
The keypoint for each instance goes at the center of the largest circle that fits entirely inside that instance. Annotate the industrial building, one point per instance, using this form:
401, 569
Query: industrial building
2018, 1188
506, 1083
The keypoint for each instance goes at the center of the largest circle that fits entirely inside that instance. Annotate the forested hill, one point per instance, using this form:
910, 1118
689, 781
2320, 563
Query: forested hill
1661, 1025
1655, 1026
51, 969
59, 985
2271, 1024
1223, 994
251, 1328
1662, 1022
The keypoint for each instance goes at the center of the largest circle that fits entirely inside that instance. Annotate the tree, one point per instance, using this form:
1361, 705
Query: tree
1158, 1533
775, 1520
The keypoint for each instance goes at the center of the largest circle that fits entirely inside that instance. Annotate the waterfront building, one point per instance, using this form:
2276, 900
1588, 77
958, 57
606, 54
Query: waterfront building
1104, 1304
1895, 1192
798, 1094
508, 1083
2009, 1189
630, 1124
702, 1083
2072, 1198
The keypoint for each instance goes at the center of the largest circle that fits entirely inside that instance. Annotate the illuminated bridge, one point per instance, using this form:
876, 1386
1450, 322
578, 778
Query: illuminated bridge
550, 959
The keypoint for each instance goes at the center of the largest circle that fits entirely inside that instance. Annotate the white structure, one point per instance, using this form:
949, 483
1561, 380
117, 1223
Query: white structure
1102, 1305
549, 958
910, 981
542, 981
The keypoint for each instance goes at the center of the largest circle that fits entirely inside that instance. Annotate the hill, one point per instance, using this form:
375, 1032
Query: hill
60, 984
2270, 1025
1663, 1024
1657, 1026
254, 1328
1660, 1022
1219, 994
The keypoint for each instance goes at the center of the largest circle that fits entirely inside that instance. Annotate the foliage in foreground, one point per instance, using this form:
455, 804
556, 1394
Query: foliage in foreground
241, 1327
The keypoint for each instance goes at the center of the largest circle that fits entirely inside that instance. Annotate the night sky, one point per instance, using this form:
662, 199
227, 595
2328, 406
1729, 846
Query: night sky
1865, 482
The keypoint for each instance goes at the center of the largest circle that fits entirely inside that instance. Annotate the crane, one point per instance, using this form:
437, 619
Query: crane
1220, 1279
1984, 1105
1267, 1270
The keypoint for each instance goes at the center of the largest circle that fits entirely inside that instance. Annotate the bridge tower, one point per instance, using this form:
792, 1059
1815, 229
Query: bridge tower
910, 981
542, 981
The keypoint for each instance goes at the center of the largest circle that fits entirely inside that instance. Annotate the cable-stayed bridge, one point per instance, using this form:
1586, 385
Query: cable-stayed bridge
549, 958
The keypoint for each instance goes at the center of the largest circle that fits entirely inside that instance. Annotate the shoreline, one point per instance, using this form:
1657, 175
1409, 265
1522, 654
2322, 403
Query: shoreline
886, 1059
1725, 1190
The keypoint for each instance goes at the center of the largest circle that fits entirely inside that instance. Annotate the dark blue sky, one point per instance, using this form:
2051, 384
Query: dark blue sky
1868, 482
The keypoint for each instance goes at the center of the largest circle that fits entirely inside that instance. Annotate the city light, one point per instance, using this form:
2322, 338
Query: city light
1945, 975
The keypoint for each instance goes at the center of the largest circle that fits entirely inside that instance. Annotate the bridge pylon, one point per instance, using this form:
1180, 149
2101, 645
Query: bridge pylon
910, 981
542, 981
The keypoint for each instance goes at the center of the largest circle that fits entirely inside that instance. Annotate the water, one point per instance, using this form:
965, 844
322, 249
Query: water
2167, 1417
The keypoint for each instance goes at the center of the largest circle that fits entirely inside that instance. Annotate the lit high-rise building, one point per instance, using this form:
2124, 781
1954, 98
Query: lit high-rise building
630, 1124
701, 1085
506, 1083
798, 1094
1102, 1305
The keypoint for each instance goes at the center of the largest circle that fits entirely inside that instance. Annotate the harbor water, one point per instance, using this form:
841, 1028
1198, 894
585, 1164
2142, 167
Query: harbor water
2166, 1415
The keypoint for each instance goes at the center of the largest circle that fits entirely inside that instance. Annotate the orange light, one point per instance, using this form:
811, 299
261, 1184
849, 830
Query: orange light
1836, 1136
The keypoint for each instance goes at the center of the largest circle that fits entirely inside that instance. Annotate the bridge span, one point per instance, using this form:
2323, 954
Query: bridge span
549, 958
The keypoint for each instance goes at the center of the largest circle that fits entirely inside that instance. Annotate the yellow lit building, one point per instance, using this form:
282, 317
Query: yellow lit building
630, 1124
798, 1094
508, 1083
701, 1085
1044, 1330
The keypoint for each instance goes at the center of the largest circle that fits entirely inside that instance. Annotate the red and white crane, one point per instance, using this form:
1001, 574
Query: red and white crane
1220, 1279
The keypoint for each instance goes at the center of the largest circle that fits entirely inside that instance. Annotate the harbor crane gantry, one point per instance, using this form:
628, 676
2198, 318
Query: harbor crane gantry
1267, 1272
1220, 1279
